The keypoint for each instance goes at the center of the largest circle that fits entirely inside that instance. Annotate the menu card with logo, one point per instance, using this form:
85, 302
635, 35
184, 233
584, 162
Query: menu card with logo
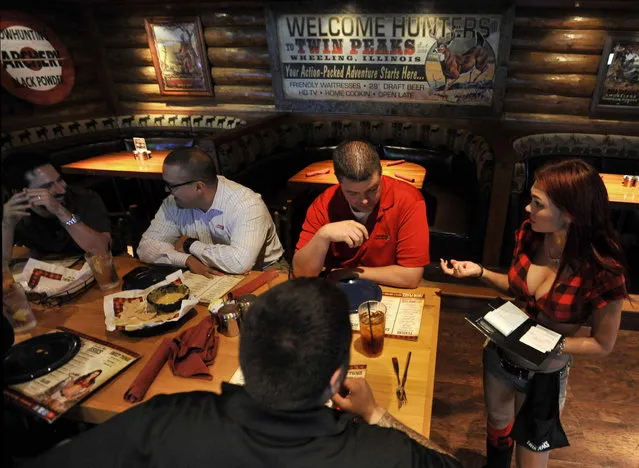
50, 396
140, 145
403, 315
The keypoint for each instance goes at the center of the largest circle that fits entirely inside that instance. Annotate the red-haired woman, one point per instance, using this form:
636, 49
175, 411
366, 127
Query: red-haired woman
568, 268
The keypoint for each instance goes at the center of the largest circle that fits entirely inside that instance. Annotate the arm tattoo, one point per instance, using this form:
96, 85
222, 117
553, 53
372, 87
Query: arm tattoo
389, 421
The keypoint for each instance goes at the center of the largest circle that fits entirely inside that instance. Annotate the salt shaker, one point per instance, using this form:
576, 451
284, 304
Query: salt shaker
244, 303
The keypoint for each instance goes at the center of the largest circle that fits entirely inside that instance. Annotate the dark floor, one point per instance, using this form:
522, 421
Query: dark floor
601, 417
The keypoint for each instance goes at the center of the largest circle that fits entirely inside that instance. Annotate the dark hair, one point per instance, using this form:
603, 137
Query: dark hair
576, 188
293, 339
18, 166
356, 160
197, 164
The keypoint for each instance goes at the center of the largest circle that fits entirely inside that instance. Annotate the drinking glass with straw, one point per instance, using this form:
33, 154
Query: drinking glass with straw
372, 324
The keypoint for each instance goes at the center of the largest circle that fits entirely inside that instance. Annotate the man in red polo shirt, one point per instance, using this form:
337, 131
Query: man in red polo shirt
371, 226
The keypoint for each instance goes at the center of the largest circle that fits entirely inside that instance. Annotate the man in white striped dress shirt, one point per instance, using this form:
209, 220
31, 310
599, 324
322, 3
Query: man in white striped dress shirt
209, 223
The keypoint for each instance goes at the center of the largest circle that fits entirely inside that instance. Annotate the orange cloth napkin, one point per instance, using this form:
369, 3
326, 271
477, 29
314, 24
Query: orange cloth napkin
403, 177
189, 355
316, 173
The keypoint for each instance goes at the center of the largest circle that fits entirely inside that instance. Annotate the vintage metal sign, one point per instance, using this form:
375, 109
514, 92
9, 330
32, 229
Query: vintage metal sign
36, 66
412, 58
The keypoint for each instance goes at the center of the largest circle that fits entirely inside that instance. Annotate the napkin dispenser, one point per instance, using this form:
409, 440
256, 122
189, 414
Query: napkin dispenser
141, 155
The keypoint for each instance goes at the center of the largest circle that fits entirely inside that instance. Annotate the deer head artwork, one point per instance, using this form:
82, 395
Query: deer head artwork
454, 66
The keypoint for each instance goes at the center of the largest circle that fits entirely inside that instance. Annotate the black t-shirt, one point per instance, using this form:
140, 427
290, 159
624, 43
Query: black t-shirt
48, 236
202, 429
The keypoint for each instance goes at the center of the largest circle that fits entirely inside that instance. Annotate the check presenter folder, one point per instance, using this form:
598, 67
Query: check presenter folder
511, 342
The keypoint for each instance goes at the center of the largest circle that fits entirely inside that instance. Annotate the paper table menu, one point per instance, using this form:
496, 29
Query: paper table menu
209, 290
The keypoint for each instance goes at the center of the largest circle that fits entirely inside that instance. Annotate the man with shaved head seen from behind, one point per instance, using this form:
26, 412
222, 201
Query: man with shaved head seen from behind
369, 226
294, 356
209, 223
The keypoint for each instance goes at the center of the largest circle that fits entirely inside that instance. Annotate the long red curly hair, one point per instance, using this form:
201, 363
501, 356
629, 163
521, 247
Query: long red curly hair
576, 188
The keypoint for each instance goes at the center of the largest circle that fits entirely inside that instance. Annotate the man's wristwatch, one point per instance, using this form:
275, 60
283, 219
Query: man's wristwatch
186, 246
73, 220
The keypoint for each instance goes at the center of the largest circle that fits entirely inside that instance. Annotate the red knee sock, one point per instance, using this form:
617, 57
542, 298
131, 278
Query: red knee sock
499, 438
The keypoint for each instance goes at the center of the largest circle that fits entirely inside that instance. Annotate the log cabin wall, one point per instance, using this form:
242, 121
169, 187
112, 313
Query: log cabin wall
554, 59
552, 69
235, 40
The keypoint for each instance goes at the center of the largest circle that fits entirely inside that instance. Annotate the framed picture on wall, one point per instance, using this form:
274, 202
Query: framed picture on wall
179, 56
617, 88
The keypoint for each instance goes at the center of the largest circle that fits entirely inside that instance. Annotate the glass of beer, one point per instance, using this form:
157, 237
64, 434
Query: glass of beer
372, 324
14, 303
103, 269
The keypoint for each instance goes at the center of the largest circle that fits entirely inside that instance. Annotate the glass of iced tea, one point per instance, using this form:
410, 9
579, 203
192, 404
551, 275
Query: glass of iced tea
372, 324
103, 269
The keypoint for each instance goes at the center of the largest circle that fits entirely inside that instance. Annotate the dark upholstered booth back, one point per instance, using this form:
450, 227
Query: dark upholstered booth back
459, 169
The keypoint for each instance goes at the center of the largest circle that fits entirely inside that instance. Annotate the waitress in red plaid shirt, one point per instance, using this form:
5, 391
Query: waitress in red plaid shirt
568, 268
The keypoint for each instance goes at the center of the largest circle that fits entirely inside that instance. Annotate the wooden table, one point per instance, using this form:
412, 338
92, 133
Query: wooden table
86, 315
120, 164
618, 195
408, 169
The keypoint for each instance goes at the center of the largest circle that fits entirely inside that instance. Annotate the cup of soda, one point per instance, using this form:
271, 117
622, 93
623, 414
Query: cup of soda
372, 324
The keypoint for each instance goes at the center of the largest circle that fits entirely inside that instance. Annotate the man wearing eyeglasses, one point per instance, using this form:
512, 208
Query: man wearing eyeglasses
209, 223
48, 216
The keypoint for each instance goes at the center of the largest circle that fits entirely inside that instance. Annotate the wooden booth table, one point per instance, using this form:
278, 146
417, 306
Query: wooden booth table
618, 195
85, 314
406, 169
120, 164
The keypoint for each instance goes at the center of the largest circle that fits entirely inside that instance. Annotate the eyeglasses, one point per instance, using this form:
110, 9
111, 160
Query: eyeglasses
172, 187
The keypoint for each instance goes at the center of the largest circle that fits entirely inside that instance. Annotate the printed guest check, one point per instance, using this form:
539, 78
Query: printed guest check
403, 315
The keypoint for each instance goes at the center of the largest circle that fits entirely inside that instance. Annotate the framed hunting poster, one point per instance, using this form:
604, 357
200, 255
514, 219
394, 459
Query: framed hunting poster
617, 89
370, 61
179, 56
